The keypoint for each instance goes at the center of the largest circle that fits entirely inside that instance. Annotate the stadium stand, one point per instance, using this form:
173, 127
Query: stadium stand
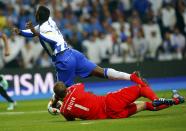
121, 31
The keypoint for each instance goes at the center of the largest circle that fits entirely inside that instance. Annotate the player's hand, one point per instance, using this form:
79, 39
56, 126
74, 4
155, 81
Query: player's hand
52, 110
7, 52
49, 104
29, 25
15, 30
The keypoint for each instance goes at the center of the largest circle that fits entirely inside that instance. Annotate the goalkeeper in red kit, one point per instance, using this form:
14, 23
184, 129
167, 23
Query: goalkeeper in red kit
74, 102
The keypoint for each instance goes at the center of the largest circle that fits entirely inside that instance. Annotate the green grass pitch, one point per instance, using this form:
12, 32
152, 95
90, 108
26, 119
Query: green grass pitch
33, 116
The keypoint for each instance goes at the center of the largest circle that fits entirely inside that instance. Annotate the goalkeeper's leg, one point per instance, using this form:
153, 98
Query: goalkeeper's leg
175, 101
162, 102
149, 106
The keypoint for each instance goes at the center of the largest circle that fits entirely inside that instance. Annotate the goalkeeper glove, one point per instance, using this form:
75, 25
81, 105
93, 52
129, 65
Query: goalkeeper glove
52, 110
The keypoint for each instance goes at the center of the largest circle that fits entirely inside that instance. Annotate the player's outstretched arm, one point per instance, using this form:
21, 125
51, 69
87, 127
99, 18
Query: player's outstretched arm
54, 105
7, 48
25, 33
52, 110
29, 32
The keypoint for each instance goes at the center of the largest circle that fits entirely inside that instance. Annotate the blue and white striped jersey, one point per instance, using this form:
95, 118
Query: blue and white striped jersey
50, 37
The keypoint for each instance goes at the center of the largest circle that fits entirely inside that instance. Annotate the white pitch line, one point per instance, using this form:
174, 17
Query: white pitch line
21, 113
86, 123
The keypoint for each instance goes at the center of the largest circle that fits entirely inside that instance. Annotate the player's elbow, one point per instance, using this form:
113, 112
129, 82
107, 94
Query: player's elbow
4, 37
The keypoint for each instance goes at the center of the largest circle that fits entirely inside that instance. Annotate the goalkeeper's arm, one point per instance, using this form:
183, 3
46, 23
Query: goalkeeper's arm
52, 106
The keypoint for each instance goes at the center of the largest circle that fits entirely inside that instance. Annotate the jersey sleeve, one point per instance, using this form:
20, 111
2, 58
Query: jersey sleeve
1, 34
79, 86
28, 32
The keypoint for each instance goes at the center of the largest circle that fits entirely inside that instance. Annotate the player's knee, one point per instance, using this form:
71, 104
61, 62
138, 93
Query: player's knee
140, 106
98, 71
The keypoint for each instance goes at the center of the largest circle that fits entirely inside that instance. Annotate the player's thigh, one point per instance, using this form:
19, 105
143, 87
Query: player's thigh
84, 66
126, 94
66, 71
124, 113
120, 99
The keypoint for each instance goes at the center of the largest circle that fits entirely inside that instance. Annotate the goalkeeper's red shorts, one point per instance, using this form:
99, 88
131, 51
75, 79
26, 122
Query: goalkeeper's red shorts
120, 104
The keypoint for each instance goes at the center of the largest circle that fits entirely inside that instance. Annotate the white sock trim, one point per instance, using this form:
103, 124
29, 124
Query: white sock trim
117, 75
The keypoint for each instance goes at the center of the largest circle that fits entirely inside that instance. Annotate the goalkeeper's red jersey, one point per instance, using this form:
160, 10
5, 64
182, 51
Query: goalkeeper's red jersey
83, 105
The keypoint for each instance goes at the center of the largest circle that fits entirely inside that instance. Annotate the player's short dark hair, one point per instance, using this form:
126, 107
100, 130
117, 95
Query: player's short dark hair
43, 13
60, 89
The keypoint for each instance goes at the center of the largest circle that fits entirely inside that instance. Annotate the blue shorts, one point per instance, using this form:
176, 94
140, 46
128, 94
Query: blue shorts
70, 64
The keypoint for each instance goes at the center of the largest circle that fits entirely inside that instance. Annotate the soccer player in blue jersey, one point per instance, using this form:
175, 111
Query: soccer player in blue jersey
69, 63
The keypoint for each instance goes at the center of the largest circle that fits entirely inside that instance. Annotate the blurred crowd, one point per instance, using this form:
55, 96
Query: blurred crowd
112, 31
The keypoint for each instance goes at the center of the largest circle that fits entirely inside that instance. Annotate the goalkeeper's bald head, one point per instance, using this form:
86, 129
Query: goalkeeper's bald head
60, 90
